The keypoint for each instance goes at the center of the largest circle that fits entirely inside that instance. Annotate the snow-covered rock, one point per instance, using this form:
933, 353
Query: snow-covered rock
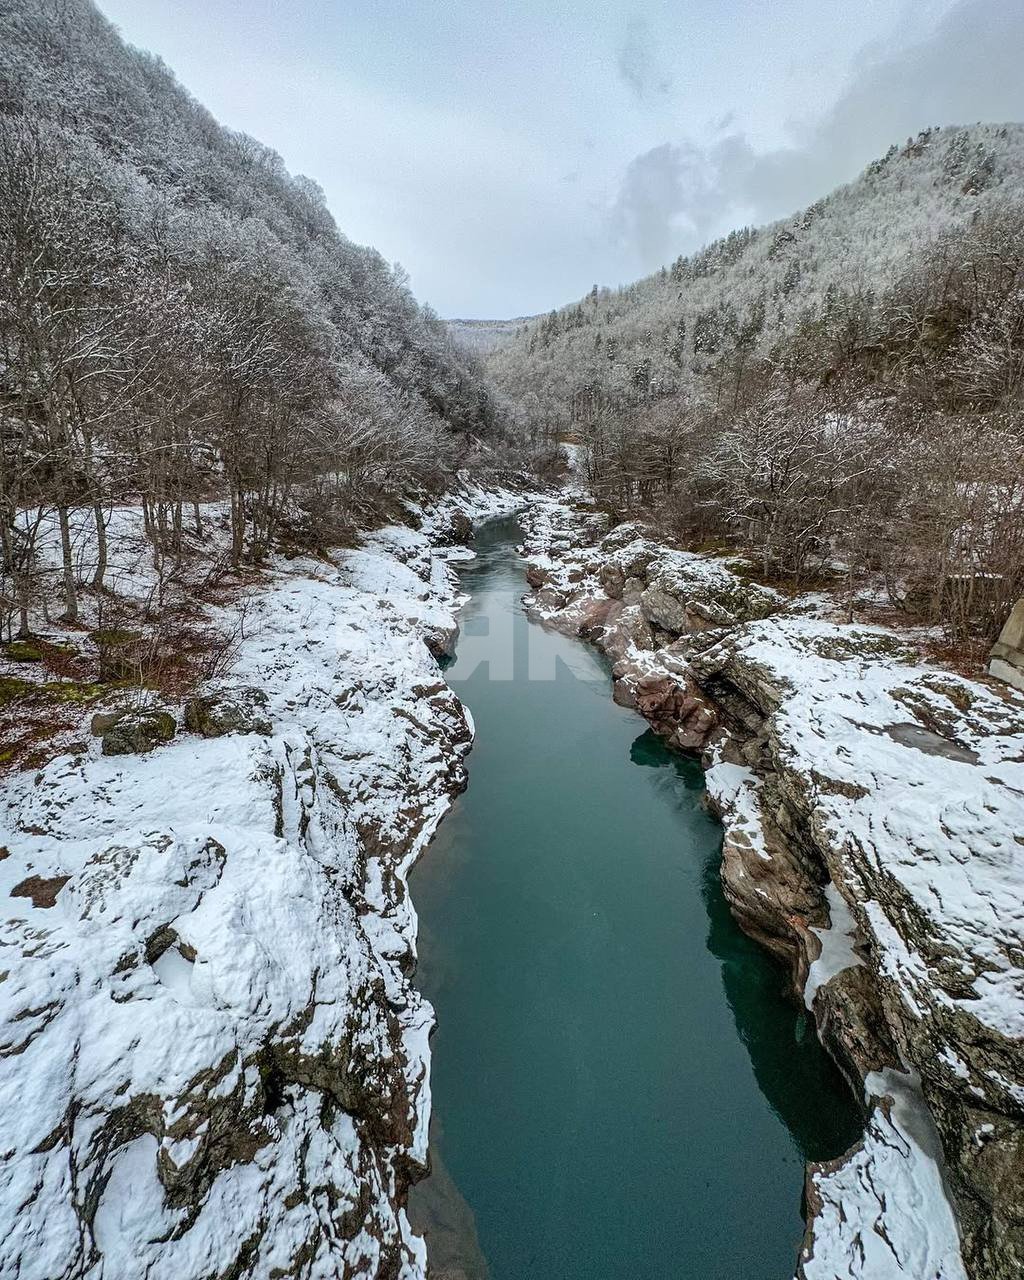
874, 840
214, 1061
906, 785
883, 1211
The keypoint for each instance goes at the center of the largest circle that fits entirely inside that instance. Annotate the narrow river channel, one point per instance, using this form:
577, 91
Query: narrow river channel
620, 1090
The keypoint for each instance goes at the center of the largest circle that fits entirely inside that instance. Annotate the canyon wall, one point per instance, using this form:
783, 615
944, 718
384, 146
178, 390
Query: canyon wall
873, 813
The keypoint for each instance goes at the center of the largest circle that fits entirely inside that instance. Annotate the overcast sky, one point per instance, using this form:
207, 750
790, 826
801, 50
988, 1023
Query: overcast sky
510, 155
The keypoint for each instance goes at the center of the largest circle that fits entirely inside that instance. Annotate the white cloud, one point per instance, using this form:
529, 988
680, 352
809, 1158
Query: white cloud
676, 195
510, 156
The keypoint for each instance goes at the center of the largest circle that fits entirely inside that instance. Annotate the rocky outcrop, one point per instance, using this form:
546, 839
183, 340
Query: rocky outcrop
231, 708
664, 694
873, 810
1006, 661
898, 784
214, 1060
138, 730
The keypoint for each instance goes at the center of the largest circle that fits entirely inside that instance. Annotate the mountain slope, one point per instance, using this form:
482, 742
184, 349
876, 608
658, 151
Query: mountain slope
662, 333
838, 394
180, 315
483, 336
65, 64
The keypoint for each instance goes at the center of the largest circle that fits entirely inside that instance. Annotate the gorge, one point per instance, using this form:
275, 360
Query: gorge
516, 799
616, 1074
872, 812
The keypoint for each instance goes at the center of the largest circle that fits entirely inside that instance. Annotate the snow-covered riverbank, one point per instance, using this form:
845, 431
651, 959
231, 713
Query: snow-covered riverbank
873, 841
215, 1061
215, 1058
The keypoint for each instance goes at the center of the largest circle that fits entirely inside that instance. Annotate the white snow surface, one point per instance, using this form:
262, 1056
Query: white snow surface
837, 945
735, 789
212, 1054
884, 1211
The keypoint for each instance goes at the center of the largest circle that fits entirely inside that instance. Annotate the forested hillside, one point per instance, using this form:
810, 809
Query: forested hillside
180, 319
486, 335
839, 392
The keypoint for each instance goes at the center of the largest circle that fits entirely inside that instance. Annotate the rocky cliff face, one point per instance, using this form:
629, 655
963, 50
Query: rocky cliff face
874, 842
214, 1061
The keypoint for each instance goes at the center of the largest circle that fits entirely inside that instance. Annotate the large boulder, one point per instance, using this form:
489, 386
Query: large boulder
705, 615
626, 629
102, 721
613, 579
441, 641
687, 592
138, 731
1007, 658
589, 617
632, 559
663, 609
678, 616
461, 527
637, 558
240, 709
903, 785
622, 535
550, 598
457, 530
671, 703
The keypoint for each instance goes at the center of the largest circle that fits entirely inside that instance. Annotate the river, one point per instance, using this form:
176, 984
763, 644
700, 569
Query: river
620, 1090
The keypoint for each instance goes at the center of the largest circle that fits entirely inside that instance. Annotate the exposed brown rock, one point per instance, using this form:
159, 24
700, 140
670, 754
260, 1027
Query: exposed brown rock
702, 691
41, 890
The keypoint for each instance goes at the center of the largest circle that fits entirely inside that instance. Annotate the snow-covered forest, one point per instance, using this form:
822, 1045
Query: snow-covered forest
180, 320
778, 485
841, 389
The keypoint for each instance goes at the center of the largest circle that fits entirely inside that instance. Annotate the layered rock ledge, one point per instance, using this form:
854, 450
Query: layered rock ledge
873, 810
214, 1061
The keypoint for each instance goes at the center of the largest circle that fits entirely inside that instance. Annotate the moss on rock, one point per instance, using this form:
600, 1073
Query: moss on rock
237, 710
139, 731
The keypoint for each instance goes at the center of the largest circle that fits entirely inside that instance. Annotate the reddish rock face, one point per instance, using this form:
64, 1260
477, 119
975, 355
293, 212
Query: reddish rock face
549, 598
43, 892
622, 693
676, 709
592, 617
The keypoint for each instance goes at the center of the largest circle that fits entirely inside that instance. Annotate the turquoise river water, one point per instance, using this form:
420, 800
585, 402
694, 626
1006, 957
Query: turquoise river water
620, 1090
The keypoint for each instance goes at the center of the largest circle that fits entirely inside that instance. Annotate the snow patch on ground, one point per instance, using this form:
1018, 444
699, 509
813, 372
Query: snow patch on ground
837, 945
734, 789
